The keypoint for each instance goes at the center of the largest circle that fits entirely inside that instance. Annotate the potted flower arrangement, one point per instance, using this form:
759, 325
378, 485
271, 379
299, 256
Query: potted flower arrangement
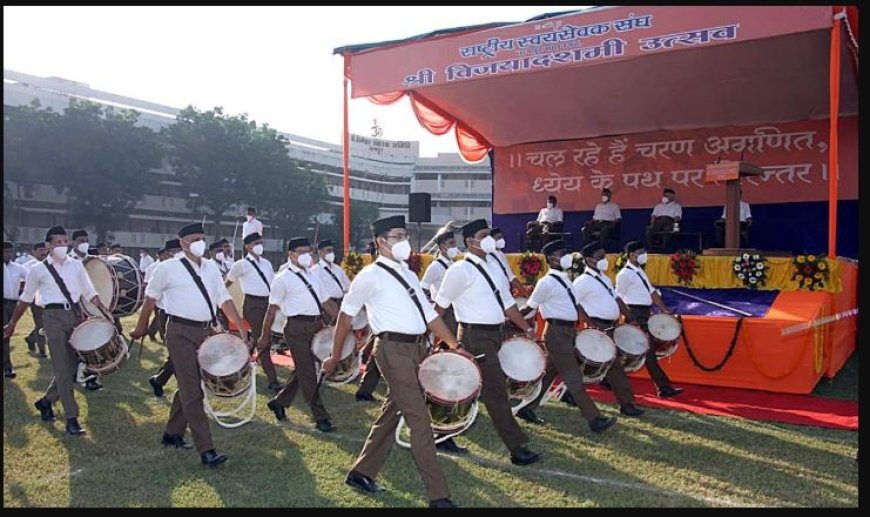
352, 263
685, 265
811, 271
530, 267
750, 269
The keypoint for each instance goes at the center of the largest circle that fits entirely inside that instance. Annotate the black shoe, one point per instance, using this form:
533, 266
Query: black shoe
600, 423
212, 458
325, 426
45, 410
363, 395
668, 391
30, 344
175, 440
362, 482
278, 409
443, 503
450, 446
10, 372
93, 385
156, 386
524, 456
73, 427
529, 416
630, 410
152, 338
275, 386
43, 355
605, 384
568, 399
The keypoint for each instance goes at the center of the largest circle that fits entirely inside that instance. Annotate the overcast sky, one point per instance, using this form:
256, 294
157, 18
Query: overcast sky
273, 63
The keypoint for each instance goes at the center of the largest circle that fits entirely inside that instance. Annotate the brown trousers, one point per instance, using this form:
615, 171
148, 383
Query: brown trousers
298, 335
370, 377
166, 370
562, 359
616, 376
398, 363
36, 311
187, 410
640, 314
494, 391
59, 325
8, 309
254, 311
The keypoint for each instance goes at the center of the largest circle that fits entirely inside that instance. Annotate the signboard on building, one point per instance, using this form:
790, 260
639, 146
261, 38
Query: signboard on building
392, 151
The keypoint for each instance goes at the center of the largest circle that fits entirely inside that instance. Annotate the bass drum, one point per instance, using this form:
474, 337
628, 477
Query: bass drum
118, 283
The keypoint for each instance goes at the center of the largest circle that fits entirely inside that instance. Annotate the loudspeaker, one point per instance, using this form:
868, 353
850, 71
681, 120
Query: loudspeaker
419, 207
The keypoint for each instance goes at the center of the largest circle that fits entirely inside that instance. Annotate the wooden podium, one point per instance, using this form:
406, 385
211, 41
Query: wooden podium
731, 173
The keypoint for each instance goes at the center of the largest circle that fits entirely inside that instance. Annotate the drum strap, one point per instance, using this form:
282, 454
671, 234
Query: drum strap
337, 281
60, 284
600, 281
259, 272
503, 270
567, 289
310, 290
489, 281
642, 279
408, 289
198, 281
445, 266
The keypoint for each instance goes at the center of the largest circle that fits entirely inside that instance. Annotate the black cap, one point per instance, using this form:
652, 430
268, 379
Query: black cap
215, 245
325, 243
94, 251
116, 246
190, 229
38, 246
633, 246
7, 245
388, 223
440, 238
669, 189
252, 209
101, 244
591, 248
79, 233
54, 230
297, 242
162, 251
554, 246
495, 231
172, 244
473, 227
249, 238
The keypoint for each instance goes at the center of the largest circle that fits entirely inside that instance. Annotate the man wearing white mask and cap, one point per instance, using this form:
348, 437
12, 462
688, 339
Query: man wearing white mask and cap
79, 248
332, 277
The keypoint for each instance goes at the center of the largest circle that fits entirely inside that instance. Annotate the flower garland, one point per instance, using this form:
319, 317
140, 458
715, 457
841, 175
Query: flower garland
751, 270
685, 265
530, 267
620, 262
810, 271
352, 263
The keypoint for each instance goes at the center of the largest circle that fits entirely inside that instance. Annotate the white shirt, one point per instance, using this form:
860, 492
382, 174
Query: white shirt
30, 264
497, 257
672, 209
173, 286
434, 274
251, 282
144, 262
744, 211
74, 254
607, 212
74, 276
331, 289
550, 215
467, 290
252, 226
149, 274
596, 301
630, 287
24, 258
13, 274
284, 266
552, 297
292, 296
387, 304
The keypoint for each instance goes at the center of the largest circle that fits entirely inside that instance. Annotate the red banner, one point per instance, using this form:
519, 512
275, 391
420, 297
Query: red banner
637, 167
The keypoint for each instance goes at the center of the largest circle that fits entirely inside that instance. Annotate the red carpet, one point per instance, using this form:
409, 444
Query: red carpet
751, 404
707, 400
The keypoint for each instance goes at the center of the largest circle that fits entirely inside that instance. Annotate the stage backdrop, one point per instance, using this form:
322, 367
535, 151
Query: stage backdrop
637, 167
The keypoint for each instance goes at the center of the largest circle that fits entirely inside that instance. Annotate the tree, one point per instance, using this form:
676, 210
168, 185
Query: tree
362, 213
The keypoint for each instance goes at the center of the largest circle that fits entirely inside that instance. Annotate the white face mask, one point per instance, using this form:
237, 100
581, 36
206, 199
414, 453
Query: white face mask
665, 200
257, 249
602, 265
487, 244
641, 259
329, 257
197, 248
499, 244
452, 252
605, 199
550, 204
305, 260
219, 256
58, 252
401, 250
249, 217
83, 247
566, 261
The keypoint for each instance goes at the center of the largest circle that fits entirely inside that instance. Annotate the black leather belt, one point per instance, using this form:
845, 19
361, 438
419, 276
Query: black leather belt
189, 323
303, 317
63, 306
606, 323
561, 323
482, 326
631, 306
259, 298
402, 338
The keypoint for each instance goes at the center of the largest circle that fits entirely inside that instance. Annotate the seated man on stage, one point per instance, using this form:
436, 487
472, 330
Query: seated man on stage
664, 222
550, 220
604, 220
745, 225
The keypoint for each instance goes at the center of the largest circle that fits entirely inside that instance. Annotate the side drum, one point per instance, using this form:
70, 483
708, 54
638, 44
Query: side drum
633, 345
451, 383
348, 366
596, 352
524, 364
98, 345
225, 365
665, 331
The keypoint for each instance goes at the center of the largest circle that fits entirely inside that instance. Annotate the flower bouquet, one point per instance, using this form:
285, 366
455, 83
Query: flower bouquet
530, 267
811, 271
685, 265
750, 269
352, 263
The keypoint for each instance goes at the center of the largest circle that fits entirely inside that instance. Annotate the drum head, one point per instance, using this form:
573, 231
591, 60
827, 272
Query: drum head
321, 345
631, 340
522, 360
449, 377
664, 327
102, 278
92, 334
595, 345
223, 354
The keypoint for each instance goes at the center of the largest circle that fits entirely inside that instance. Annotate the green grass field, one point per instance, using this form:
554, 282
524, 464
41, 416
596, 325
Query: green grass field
663, 459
